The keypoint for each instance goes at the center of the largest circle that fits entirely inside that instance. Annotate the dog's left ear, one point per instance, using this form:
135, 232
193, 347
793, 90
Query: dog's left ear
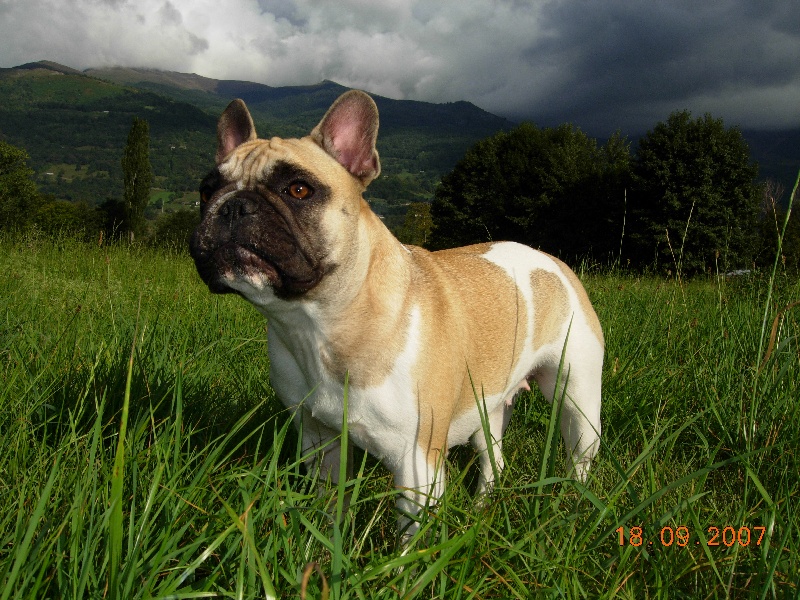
348, 132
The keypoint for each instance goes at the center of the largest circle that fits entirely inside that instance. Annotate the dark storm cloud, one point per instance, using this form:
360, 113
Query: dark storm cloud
170, 15
635, 59
282, 9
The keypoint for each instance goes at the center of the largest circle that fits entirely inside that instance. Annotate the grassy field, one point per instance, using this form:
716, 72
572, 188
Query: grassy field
172, 201
143, 455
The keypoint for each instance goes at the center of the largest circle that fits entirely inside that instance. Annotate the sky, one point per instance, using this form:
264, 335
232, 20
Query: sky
603, 65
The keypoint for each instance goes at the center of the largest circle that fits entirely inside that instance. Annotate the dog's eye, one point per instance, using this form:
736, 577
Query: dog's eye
210, 184
300, 190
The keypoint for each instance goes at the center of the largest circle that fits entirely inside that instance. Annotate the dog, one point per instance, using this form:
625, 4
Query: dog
426, 341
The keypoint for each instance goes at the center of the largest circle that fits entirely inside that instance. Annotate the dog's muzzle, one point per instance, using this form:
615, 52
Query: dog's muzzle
253, 236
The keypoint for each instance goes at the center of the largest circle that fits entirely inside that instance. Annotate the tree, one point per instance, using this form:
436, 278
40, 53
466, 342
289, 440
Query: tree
551, 188
694, 200
417, 225
137, 176
19, 198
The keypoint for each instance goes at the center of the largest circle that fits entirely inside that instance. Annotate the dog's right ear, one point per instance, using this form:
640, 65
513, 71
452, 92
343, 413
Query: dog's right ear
348, 132
235, 127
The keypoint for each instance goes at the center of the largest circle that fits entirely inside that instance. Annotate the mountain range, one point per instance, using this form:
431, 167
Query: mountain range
74, 125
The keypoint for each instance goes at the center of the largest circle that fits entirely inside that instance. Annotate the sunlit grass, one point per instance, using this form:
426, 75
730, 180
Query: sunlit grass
204, 495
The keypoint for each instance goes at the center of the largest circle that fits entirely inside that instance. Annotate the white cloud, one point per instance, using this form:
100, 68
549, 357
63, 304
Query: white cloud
604, 65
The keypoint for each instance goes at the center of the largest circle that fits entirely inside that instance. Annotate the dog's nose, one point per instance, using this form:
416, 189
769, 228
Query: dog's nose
236, 208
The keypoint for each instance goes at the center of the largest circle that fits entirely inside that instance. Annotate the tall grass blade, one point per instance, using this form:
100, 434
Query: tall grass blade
448, 550
750, 425
483, 413
337, 559
115, 533
243, 525
23, 548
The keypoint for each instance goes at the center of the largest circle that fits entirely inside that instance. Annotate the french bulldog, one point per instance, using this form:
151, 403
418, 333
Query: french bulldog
427, 341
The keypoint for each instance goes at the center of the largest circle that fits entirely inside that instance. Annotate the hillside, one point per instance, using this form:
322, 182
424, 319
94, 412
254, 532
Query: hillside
418, 141
74, 125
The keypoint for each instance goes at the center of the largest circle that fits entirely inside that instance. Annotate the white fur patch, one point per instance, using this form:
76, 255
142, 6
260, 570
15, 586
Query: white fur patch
381, 419
385, 418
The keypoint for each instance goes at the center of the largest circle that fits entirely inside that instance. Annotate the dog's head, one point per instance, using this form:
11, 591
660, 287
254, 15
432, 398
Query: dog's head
280, 215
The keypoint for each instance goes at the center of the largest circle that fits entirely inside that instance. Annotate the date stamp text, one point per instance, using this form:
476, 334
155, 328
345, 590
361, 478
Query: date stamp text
681, 536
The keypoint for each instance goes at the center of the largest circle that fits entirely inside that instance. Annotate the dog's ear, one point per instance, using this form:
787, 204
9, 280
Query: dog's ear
348, 132
234, 128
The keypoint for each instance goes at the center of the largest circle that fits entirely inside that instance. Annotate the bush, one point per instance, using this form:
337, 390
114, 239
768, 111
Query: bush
62, 217
175, 229
19, 198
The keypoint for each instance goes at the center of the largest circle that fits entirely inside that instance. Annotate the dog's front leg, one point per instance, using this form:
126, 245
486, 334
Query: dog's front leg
420, 479
322, 449
491, 462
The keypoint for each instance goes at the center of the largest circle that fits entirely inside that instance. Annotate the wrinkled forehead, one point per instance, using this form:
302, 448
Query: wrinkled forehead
252, 162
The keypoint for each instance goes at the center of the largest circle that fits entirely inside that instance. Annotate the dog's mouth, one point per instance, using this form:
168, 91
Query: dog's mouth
248, 263
233, 263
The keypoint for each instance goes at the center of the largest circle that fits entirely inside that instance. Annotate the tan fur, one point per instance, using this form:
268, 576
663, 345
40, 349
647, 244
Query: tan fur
252, 159
482, 356
551, 305
367, 339
583, 297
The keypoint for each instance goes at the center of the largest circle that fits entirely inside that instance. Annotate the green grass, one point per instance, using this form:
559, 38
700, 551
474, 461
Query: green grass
68, 172
180, 201
143, 454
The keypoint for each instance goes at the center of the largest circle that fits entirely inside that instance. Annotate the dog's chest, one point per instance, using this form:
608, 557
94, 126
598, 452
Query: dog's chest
382, 418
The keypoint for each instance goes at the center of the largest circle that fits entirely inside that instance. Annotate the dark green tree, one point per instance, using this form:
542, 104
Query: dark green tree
137, 176
19, 197
694, 200
550, 188
417, 224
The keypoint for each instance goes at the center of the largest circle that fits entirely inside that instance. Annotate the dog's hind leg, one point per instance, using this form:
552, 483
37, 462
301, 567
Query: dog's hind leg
580, 411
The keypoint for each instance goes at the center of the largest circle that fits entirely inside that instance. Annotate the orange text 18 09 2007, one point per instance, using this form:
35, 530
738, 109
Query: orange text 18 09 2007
681, 536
